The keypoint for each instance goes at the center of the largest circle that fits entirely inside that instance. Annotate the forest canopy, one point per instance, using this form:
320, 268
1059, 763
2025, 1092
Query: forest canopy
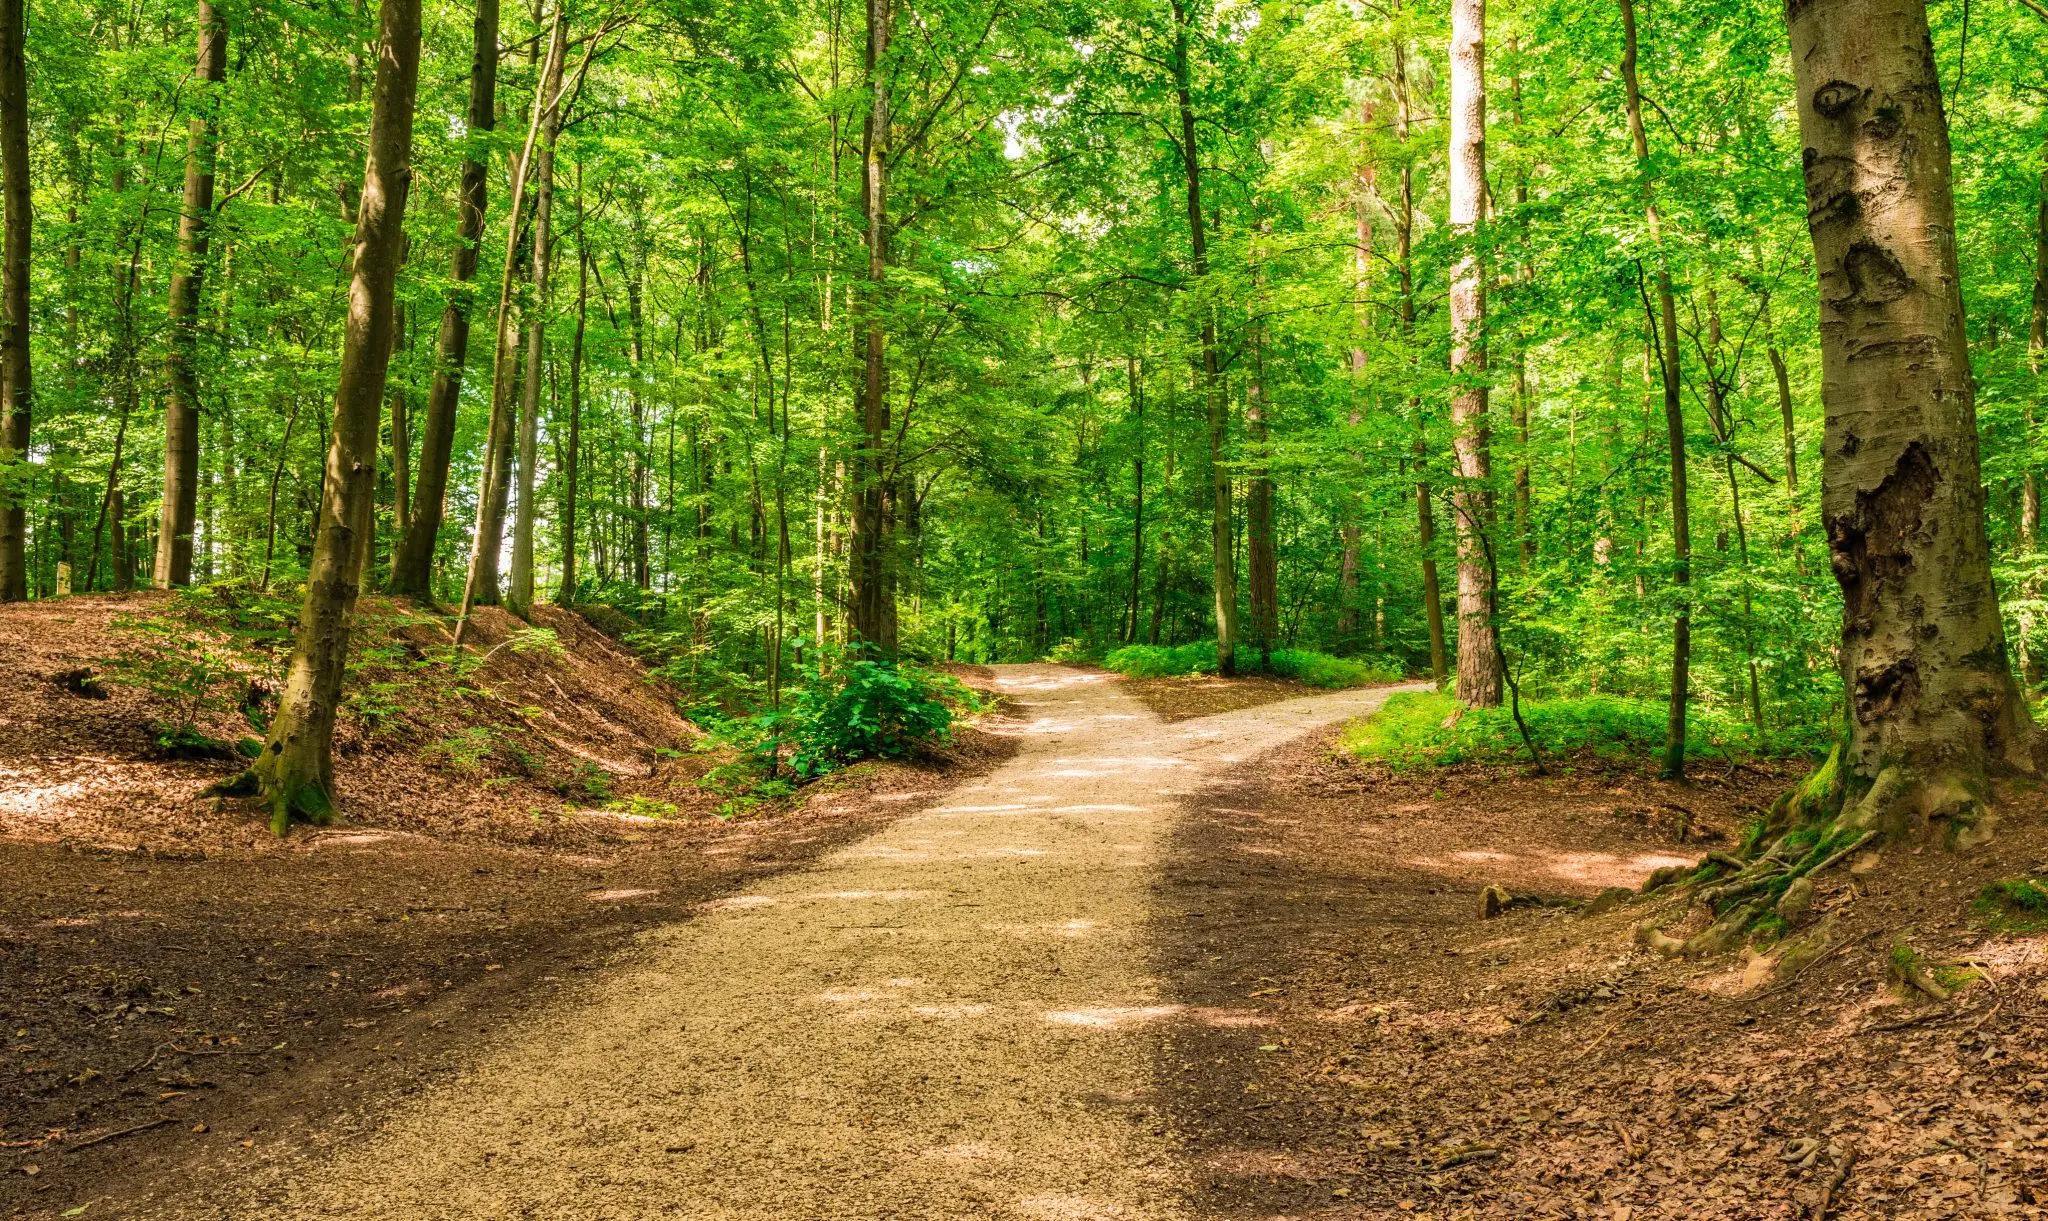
985, 330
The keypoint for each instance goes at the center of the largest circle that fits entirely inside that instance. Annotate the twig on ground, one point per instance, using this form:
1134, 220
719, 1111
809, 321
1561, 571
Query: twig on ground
107, 1136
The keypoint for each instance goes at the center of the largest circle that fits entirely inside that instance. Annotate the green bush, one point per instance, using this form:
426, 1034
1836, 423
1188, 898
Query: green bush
1158, 661
1409, 731
868, 710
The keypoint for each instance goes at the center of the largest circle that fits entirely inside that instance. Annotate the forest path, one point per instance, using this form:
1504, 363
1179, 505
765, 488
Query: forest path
942, 1020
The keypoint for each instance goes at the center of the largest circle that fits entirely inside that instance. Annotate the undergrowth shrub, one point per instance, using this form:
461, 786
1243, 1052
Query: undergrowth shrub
1417, 729
859, 708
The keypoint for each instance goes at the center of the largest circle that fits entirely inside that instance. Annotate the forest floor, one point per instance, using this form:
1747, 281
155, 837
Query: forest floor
175, 978
1174, 957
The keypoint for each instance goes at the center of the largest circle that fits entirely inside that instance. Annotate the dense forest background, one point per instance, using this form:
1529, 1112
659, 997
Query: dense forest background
1121, 241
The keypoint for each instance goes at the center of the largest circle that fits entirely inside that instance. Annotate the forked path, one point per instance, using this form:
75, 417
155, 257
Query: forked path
943, 1020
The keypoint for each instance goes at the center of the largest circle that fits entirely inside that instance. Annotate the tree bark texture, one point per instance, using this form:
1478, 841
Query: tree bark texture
412, 570
295, 772
181, 410
15, 388
1425, 513
1479, 678
1932, 701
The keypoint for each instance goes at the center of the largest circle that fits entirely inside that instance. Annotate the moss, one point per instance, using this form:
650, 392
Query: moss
1768, 931
2014, 904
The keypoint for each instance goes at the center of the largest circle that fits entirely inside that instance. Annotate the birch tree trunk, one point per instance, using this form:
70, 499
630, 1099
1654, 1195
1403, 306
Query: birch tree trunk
295, 772
1479, 678
15, 388
1932, 702
412, 570
181, 411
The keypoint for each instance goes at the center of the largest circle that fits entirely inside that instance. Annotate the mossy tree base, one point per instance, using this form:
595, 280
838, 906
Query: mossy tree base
1812, 828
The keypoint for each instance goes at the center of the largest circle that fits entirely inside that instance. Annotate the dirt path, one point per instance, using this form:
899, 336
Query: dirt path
942, 1020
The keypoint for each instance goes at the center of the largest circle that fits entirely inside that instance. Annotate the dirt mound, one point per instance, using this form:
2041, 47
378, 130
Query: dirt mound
541, 732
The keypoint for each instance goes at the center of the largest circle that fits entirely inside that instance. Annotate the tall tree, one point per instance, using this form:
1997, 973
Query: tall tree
1932, 702
871, 620
1479, 677
1222, 549
480, 587
181, 408
295, 771
1664, 329
520, 594
412, 569
15, 386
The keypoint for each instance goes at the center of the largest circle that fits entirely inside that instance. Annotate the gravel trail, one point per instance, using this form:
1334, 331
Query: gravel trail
944, 1020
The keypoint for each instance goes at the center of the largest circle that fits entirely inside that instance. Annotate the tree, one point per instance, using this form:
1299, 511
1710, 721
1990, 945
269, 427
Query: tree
1479, 677
1933, 707
16, 392
181, 408
294, 774
412, 567
871, 618
520, 595
1665, 333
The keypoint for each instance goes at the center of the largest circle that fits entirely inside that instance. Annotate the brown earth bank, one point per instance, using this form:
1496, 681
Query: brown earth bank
173, 977
1408, 1058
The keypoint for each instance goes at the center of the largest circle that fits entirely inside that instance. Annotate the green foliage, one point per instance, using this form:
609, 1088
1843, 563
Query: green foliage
1419, 729
868, 709
1153, 661
188, 673
1323, 670
467, 751
642, 807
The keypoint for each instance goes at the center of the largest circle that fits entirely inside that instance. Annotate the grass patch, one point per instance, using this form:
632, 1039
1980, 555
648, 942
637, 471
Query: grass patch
1301, 665
1410, 732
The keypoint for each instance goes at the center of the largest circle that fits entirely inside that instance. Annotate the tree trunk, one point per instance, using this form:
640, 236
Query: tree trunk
1479, 679
401, 438
869, 618
481, 585
1933, 705
520, 593
295, 772
1130, 632
412, 570
15, 387
1222, 554
181, 410
573, 454
1425, 514
1262, 559
1666, 331
636, 317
